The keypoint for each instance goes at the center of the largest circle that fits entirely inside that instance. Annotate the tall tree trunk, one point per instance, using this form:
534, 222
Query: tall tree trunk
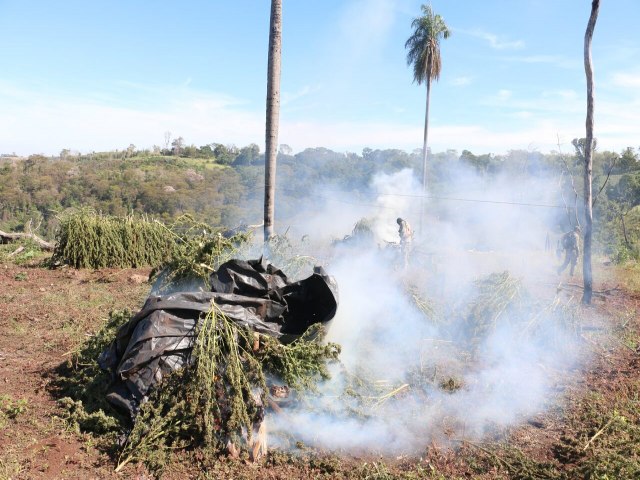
273, 116
424, 147
588, 157
426, 134
624, 230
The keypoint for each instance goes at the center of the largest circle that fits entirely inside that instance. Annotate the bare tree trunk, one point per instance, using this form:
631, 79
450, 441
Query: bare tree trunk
588, 157
624, 230
31, 236
426, 134
424, 147
273, 116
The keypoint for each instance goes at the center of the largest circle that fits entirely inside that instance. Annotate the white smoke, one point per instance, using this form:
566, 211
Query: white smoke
387, 339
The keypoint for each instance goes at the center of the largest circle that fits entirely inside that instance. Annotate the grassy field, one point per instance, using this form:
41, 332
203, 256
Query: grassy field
591, 431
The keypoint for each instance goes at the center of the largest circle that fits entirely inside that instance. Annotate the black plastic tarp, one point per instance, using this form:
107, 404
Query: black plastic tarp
254, 294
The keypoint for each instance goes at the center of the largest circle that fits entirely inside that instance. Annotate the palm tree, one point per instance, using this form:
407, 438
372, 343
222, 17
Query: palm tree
424, 55
273, 116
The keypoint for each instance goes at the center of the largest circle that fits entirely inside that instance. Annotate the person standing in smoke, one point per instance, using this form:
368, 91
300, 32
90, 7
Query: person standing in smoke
571, 247
406, 237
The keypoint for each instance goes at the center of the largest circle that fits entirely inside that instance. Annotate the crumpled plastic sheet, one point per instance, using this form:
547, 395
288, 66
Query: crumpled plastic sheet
254, 294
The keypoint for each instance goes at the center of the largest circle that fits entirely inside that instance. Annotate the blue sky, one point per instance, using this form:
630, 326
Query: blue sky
100, 75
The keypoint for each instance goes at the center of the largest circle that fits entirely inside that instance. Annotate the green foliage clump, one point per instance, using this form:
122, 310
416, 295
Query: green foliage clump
31, 252
183, 249
363, 229
301, 363
282, 252
164, 423
77, 417
83, 384
600, 443
493, 458
226, 373
86, 239
451, 384
623, 253
495, 293
361, 235
197, 252
220, 397
499, 298
11, 408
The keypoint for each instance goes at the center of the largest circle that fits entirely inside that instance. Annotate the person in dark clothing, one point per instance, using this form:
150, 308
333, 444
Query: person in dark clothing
571, 248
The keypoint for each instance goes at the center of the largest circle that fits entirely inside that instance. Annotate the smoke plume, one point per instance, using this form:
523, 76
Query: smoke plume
464, 340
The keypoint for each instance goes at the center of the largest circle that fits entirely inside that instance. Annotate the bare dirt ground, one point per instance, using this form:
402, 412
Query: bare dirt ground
45, 314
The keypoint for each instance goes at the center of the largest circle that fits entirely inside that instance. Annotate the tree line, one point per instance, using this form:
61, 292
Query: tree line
224, 186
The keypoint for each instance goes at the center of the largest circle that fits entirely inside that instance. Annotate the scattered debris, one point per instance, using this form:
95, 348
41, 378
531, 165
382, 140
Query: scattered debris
137, 278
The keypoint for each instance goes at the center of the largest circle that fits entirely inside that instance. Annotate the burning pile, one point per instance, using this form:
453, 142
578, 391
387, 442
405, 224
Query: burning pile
203, 368
218, 402
198, 369
417, 370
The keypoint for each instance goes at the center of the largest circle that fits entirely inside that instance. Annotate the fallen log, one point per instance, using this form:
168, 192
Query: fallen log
9, 237
16, 252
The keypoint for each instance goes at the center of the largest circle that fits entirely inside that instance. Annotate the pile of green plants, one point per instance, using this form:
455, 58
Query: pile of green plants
494, 295
220, 397
197, 251
81, 385
284, 252
361, 235
87, 239
500, 299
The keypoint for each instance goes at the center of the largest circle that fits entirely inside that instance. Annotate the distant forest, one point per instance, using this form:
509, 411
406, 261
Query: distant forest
223, 185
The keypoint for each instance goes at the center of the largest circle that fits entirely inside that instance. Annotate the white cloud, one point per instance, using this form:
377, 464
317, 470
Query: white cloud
523, 114
461, 81
626, 79
496, 42
556, 60
505, 94
35, 122
290, 97
501, 97
365, 24
548, 103
565, 95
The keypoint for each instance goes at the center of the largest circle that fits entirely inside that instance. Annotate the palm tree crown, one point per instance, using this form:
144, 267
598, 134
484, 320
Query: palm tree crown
424, 54
424, 45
